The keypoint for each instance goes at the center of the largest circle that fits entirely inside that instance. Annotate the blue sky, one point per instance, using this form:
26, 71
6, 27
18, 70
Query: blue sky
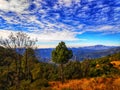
77, 22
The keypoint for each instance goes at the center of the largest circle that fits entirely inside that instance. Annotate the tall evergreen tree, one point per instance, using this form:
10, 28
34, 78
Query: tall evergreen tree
61, 55
28, 61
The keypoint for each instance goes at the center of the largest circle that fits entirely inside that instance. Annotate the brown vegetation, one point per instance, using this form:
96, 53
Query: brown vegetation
88, 84
116, 64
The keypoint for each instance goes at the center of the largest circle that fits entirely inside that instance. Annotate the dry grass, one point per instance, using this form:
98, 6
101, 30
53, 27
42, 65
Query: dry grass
88, 84
116, 64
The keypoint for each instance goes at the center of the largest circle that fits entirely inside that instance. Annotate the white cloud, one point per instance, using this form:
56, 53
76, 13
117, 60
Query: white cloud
77, 1
65, 2
48, 39
14, 5
36, 23
55, 36
85, 8
46, 36
47, 27
117, 9
6, 33
68, 3
46, 46
103, 28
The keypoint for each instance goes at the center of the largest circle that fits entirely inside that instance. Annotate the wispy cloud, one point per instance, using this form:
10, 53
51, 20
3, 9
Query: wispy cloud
103, 28
53, 20
46, 36
14, 5
108, 29
39, 15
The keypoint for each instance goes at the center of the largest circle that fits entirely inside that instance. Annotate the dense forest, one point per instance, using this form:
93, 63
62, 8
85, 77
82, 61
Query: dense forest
23, 71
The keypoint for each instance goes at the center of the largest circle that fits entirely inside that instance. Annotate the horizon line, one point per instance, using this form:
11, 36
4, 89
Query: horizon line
77, 46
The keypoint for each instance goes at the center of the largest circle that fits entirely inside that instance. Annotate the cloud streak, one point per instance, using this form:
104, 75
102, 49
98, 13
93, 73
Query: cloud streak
14, 5
54, 20
46, 36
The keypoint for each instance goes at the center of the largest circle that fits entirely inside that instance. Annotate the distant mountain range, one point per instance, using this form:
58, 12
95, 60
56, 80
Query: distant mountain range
81, 53
99, 47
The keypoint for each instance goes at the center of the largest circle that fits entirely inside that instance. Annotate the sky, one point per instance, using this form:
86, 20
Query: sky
76, 22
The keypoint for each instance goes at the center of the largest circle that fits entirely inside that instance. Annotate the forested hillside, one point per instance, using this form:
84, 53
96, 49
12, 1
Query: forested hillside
21, 69
40, 74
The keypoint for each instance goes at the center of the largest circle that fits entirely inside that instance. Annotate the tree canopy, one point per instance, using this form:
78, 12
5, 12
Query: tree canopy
61, 54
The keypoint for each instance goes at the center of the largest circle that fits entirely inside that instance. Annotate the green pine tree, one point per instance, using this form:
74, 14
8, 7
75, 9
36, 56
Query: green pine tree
61, 55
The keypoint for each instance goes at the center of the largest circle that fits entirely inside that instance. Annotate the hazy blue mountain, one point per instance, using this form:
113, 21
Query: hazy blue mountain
81, 53
99, 47
44, 54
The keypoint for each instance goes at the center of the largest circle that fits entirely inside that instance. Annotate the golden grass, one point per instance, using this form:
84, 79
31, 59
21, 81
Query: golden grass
88, 84
116, 64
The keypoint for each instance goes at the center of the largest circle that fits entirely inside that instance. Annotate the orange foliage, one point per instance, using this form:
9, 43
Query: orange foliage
88, 84
116, 64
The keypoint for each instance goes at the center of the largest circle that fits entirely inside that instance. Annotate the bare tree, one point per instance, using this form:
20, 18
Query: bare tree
19, 42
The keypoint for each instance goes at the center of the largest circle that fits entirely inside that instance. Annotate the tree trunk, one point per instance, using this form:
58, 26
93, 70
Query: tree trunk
20, 72
26, 66
62, 75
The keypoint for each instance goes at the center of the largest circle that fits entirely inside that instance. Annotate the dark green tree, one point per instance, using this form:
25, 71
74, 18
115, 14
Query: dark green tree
61, 55
17, 42
28, 61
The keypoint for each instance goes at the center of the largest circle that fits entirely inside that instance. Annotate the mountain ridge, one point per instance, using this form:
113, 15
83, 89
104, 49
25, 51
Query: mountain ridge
81, 53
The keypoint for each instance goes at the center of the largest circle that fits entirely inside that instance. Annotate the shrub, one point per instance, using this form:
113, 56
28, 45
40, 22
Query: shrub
39, 84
